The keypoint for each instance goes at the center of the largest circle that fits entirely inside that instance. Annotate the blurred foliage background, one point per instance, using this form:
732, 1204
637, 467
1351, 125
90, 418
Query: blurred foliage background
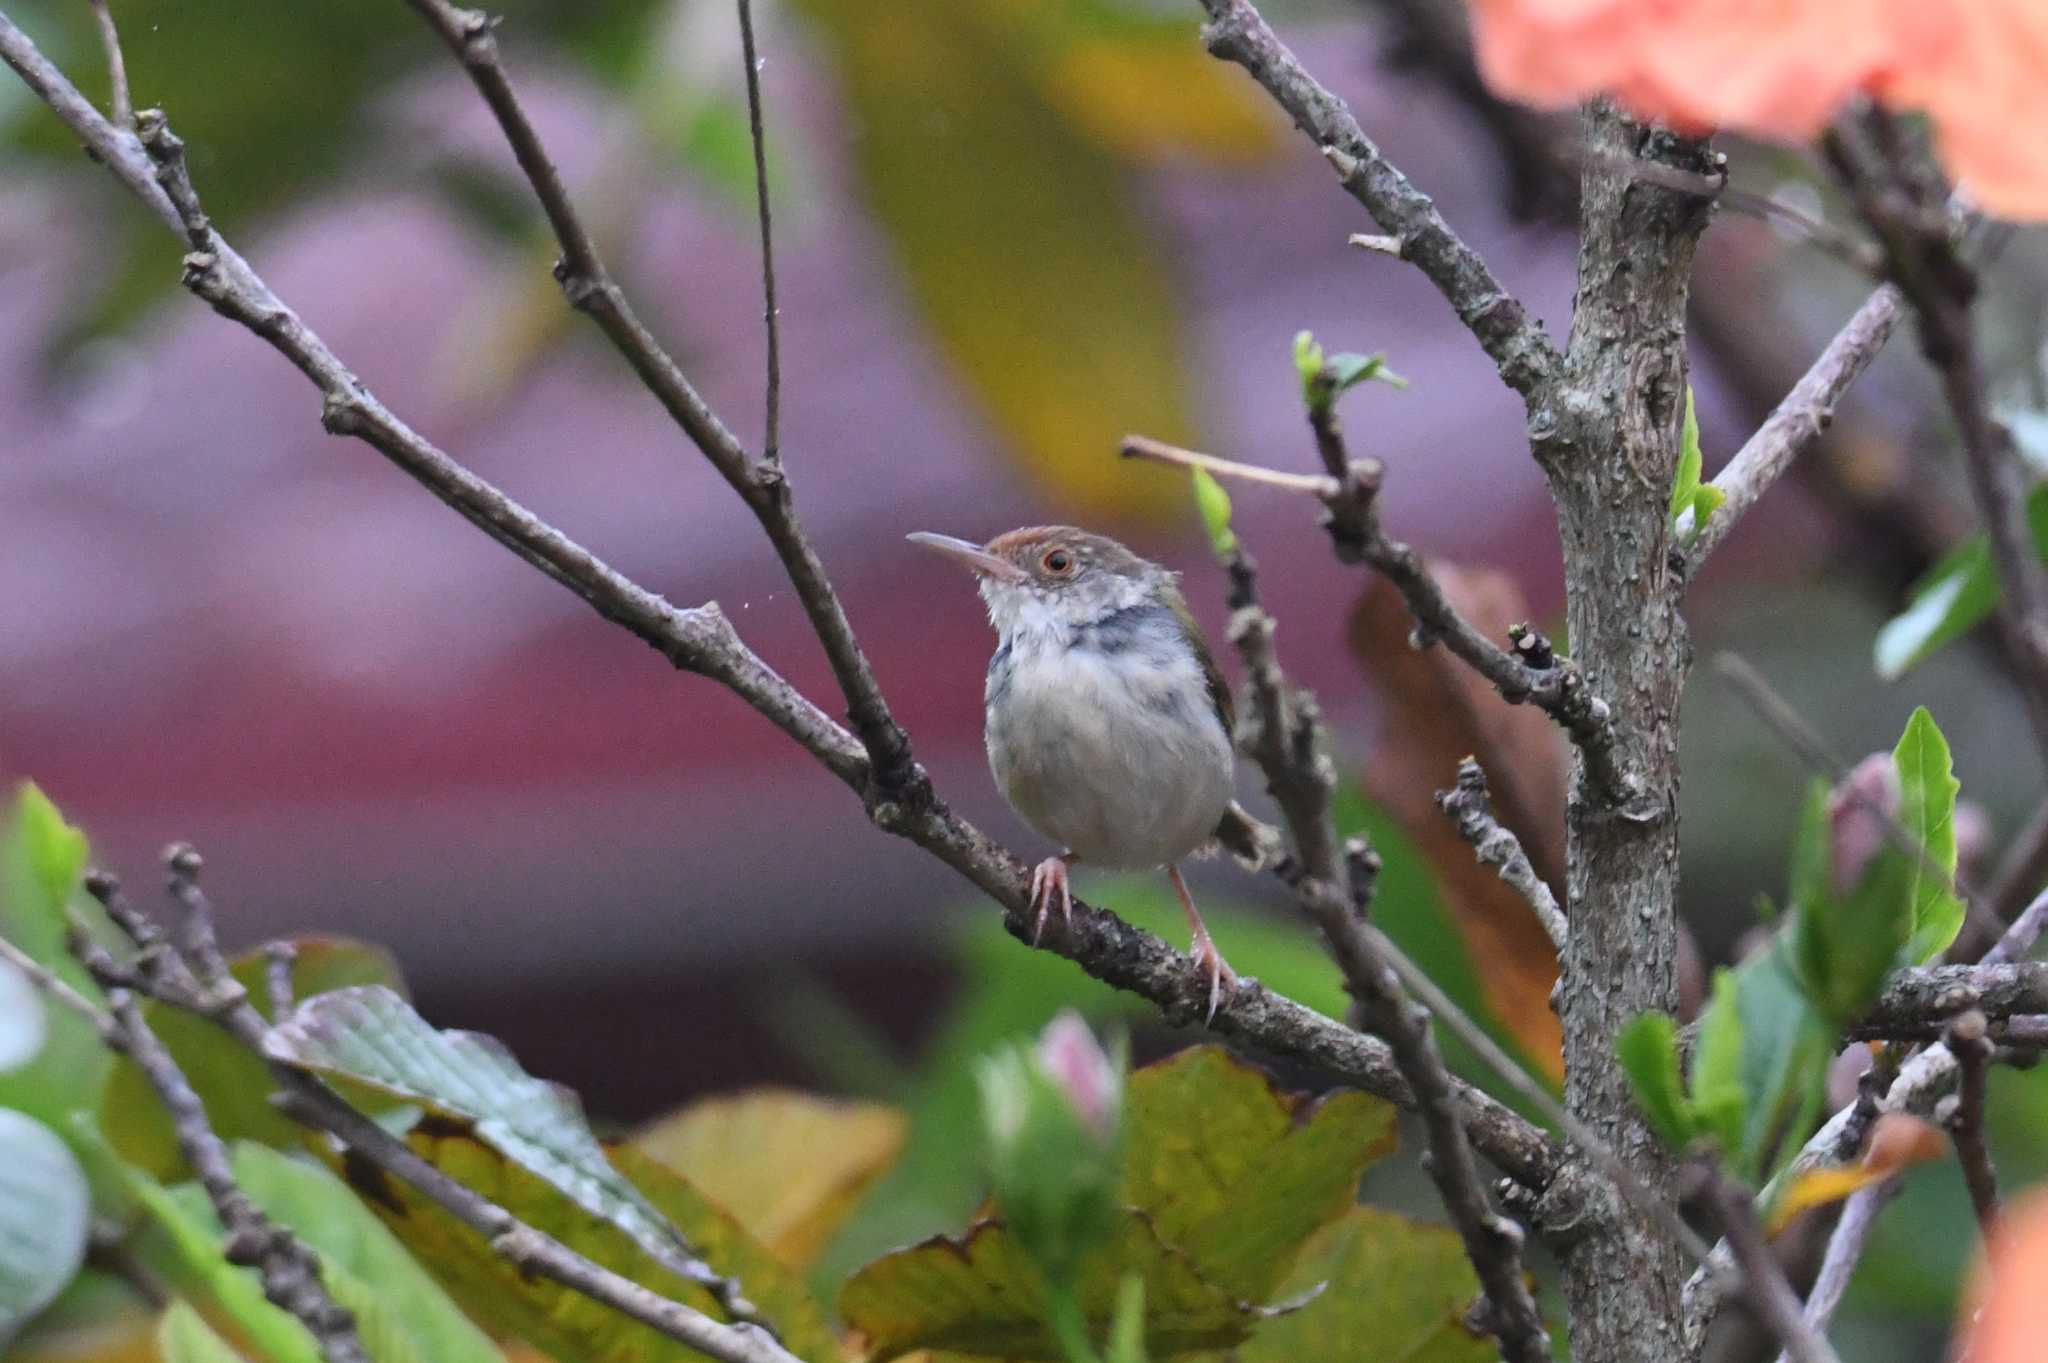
1009, 232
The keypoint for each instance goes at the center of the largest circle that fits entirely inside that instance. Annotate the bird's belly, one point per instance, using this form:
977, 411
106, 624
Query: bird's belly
1121, 774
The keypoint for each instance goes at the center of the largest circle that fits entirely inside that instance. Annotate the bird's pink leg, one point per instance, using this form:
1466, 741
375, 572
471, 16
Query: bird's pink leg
1205, 953
1049, 882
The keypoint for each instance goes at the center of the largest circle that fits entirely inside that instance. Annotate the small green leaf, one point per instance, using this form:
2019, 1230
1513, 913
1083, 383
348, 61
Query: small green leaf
1719, 1101
1812, 850
23, 1018
1844, 946
1648, 1050
57, 851
1308, 363
1689, 461
1348, 370
45, 1210
1127, 1327
1786, 1051
1927, 810
1951, 598
1706, 500
1214, 504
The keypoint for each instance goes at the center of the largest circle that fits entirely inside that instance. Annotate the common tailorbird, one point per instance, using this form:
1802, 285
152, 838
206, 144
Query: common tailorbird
1108, 725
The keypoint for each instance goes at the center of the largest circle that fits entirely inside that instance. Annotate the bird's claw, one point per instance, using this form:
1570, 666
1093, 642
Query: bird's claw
1211, 963
1049, 881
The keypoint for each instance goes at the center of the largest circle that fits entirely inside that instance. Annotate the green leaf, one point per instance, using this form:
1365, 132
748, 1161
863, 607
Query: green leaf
552, 1317
1812, 873
57, 851
368, 1036
981, 1294
1392, 1290
1719, 1101
231, 1080
1236, 1173
1214, 504
183, 1336
1951, 598
1225, 1178
1347, 370
361, 1261
1308, 364
1127, 1328
1689, 461
45, 1211
1647, 1047
41, 861
1844, 946
1787, 1047
1927, 810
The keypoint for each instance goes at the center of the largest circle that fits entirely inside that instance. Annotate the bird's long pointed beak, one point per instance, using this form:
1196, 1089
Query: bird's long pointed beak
973, 555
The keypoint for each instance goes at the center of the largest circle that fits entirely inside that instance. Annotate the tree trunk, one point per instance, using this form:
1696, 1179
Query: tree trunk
1611, 453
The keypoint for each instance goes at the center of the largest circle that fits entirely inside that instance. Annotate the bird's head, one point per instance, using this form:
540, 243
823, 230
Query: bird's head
1053, 579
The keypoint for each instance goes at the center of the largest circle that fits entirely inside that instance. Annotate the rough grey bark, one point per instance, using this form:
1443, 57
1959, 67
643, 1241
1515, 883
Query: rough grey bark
1608, 440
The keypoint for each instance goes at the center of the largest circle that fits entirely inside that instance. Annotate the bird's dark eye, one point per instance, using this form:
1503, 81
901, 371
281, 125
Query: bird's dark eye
1058, 561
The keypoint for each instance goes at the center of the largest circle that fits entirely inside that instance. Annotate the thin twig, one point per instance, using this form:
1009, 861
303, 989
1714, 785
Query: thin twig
2022, 869
1318, 485
119, 105
1967, 1041
1763, 1277
700, 639
762, 485
1469, 808
771, 445
1845, 1250
1524, 355
45, 979
279, 960
290, 1270
1282, 731
1797, 422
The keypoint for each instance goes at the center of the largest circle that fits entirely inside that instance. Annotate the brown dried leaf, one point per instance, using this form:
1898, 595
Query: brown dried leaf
1437, 711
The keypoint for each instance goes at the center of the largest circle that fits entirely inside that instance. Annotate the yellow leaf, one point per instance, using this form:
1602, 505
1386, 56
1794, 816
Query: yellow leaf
788, 1166
1155, 94
1897, 1141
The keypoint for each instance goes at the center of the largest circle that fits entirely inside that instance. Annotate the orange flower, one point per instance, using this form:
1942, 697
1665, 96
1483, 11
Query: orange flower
1781, 68
2010, 1308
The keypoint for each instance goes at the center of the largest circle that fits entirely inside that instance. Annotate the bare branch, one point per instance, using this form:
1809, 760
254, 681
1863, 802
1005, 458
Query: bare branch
1525, 356
1763, 1278
1282, 731
1798, 421
119, 105
1470, 809
760, 484
1898, 191
1538, 677
279, 960
771, 445
1918, 1003
289, 1269
1967, 1041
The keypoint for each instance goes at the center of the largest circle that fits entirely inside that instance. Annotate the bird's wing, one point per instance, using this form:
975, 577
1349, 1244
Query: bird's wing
1219, 690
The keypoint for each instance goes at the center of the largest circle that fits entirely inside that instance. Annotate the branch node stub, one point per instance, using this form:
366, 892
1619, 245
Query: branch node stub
341, 415
182, 859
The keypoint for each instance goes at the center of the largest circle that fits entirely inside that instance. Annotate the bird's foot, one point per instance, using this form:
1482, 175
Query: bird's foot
1210, 962
1049, 883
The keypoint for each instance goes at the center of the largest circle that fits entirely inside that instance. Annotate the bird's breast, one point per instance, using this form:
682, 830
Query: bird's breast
1116, 753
